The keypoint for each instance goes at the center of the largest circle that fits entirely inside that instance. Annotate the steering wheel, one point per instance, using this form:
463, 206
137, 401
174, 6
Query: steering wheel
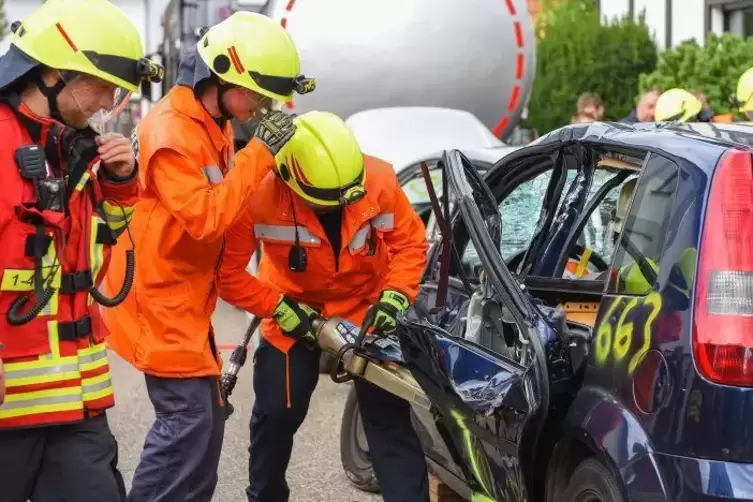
595, 259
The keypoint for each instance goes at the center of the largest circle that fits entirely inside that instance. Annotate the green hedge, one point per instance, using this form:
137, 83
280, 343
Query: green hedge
577, 54
712, 69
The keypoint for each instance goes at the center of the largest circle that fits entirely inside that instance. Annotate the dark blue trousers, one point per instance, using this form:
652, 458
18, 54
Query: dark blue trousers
394, 447
182, 450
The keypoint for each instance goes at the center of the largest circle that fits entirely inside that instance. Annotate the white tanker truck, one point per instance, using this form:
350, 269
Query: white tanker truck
473, 55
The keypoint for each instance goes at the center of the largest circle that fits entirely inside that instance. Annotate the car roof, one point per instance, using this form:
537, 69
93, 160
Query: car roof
400, 134
698, 149
738, 132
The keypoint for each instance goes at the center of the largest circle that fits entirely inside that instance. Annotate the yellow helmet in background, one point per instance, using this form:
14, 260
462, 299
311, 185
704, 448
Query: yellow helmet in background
677, 105
744, 95
253, 51
93, 37
323, 162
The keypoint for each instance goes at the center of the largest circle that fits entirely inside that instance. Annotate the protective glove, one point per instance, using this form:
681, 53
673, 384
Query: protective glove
274, 130
383, 314
295, 320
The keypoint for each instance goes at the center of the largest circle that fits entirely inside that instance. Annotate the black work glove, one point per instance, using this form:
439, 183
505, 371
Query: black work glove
382, 316
295, 320
274, 130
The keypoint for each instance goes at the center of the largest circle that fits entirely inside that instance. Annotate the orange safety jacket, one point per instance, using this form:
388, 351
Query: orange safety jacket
56, 367
382, 221
193, 191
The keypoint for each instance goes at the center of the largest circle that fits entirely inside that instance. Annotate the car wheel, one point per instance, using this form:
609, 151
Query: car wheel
593, 481
354, 449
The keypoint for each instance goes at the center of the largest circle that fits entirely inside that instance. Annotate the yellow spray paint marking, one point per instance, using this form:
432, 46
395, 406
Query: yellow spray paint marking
604, 335
654, 299
624, 338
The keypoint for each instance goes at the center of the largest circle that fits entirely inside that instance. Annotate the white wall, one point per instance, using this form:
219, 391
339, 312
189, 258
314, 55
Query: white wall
687, 18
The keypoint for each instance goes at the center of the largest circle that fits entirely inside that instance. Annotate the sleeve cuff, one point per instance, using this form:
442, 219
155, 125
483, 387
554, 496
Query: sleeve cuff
112, 178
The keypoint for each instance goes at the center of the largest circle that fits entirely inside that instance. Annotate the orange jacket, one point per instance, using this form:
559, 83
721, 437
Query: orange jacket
345, 291
191, 196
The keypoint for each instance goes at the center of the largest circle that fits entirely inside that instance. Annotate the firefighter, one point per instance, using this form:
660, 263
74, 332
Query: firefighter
679, 105
339, 237
743, 98
66, 194
194, 188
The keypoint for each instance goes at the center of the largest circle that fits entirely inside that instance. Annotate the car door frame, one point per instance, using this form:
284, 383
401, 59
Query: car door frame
424, 342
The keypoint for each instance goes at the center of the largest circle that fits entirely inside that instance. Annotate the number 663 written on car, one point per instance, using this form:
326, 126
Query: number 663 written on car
624, 333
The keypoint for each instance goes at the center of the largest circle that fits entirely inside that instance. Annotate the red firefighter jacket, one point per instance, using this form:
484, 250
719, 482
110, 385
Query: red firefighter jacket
55, 365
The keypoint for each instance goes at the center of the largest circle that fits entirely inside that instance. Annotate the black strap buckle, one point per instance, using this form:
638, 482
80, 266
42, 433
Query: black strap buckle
71, 331
77, 281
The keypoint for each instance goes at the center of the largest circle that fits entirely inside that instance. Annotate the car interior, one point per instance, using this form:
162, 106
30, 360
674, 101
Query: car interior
538, 199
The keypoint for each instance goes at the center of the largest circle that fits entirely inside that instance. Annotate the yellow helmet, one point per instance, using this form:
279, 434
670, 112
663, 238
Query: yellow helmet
88, 36
253, 51
744, 94
677, 105
633, 278
323, 162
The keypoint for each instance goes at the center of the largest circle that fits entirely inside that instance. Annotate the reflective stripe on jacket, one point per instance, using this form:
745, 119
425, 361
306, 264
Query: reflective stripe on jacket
56, 368
383, 217
193, 191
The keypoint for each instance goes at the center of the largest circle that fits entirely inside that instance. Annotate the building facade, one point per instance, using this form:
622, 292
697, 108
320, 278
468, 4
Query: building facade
674, 21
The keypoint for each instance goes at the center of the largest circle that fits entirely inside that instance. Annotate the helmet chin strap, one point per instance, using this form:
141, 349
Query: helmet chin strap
52, 93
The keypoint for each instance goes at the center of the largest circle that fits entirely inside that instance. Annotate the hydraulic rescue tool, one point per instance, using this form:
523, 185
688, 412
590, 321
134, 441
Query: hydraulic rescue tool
373, 357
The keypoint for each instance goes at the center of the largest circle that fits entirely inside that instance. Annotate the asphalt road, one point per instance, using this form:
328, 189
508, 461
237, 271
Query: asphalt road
314, 474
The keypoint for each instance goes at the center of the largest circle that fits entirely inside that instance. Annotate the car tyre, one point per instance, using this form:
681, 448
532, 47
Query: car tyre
326, 362
354, 450
593, 481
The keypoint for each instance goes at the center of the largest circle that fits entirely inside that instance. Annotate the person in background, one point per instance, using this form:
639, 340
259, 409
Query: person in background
66, 193
194, 189
743, 97
644, 109
582, 118
679, 105
590, 104
707, 113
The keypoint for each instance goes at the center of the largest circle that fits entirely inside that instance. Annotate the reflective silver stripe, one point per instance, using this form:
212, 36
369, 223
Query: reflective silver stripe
90, 358
359, 240
384, 221
285, 233
213, 174
41, 401
94, 387
38, 372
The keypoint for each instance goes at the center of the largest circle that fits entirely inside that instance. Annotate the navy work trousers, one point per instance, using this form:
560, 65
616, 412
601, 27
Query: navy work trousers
75, 461
393, 444
182, 450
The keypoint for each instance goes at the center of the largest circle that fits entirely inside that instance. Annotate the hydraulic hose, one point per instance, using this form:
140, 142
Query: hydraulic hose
130, 270
16, 319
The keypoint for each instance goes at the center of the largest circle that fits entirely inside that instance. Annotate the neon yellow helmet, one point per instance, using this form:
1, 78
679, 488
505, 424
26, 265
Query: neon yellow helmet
253, 51
744, 95
323, 162
677, 105
633, 280
93, 37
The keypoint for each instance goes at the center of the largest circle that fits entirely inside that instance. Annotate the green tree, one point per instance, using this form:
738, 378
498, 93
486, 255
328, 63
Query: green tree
712, 69
576, 53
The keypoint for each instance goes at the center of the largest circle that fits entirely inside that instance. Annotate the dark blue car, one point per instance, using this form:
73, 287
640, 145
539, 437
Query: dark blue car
585, 326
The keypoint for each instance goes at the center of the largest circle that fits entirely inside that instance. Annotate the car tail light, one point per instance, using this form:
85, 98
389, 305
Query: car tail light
723, 324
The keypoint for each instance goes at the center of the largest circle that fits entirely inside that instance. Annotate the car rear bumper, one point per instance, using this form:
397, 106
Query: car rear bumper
660, 477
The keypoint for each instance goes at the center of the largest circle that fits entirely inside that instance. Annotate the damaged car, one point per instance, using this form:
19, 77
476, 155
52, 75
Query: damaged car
584, 330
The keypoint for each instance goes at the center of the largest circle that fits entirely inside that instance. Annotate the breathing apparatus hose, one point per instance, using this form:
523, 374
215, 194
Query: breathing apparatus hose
16, 319
130, 270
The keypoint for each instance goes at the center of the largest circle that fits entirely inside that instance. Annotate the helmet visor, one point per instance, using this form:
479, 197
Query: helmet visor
98, 100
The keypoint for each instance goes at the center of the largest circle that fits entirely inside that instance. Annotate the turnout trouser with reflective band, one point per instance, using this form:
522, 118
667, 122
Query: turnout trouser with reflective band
393, 444
71, 462
182, 450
